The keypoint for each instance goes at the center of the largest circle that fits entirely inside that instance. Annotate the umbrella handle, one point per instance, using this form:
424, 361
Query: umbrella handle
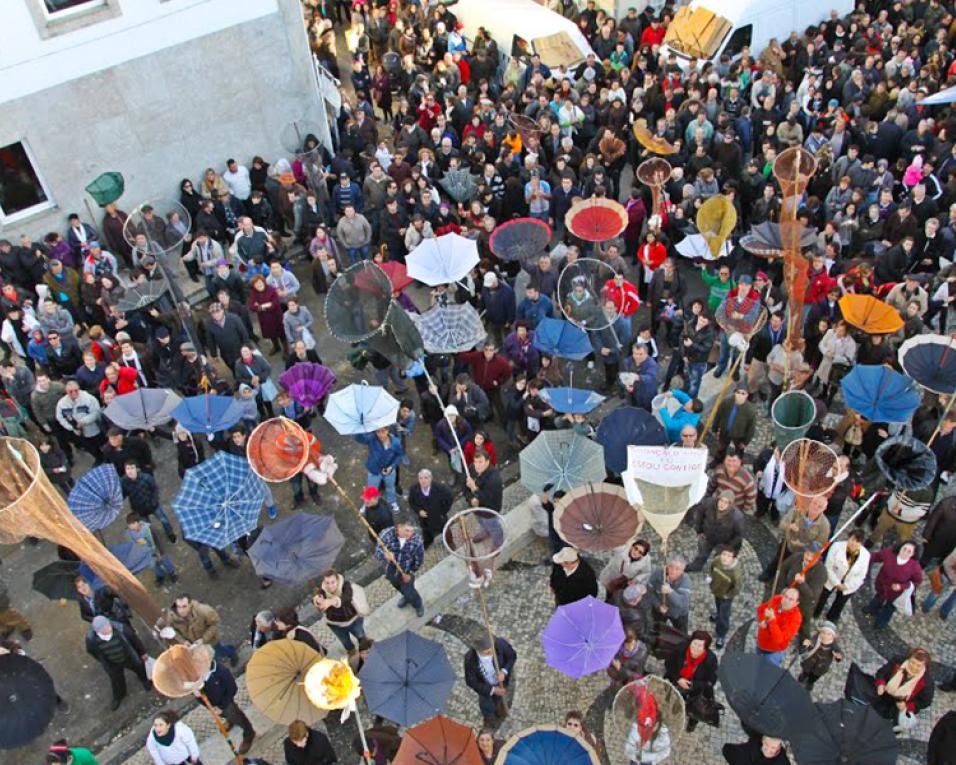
454, 433
366, 752
223, 731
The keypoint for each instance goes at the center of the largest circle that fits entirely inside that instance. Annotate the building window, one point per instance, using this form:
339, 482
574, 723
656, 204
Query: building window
22, 191
57, 9
58, 17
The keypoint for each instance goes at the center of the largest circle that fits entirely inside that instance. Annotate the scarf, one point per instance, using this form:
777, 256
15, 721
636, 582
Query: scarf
771, 482
902, 687
691, 664
168, 739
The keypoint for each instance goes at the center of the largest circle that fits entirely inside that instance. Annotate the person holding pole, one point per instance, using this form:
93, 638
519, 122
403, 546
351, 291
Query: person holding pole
403, 553
488, 672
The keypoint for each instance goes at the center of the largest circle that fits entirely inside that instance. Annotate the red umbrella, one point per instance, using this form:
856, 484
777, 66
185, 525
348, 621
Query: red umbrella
438, 741
596, 220
397, 274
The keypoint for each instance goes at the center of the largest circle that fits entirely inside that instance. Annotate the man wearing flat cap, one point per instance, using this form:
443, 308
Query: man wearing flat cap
571, 577
488, 673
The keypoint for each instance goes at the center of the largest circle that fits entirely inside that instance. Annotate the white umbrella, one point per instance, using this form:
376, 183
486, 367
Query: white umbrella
442, 260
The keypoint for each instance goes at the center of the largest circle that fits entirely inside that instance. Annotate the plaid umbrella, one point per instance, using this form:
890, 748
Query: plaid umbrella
219, 500
143, 408
450, 328
561, 459
97, 499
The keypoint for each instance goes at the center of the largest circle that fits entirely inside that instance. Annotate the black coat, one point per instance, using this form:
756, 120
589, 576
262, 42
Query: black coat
940, 530
750, 753
225, 340
474, 678
490, 490
942, 741
705, 676
105, 603
220, 687
123, 632
317, 751
579, 585
436, 505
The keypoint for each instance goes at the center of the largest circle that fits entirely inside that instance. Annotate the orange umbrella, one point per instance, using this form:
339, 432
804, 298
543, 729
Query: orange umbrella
438, 741
596, 219
871, 315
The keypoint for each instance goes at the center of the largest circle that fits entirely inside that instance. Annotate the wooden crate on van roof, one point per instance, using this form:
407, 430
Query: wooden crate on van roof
697, 32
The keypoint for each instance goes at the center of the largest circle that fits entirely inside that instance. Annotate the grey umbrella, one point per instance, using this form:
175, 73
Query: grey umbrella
297, 549
142, 409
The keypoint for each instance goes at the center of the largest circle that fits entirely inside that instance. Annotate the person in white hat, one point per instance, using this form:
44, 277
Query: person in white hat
571, 577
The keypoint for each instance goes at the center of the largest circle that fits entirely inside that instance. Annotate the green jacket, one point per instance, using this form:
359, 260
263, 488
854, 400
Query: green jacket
83, 756
725, 583
718, 289
745, 422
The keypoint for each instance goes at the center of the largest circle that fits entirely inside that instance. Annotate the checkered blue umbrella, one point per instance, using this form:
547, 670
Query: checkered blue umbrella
97, 499
219, 500
451, 328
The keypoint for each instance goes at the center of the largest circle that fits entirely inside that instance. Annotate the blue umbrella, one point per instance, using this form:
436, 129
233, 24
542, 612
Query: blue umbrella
572, 400
625, 427
361, 408
219, 500
135, 557
557, 337
97, 499
561, 459
546, 745
944, 96
207, 413
880, 394
407, 678
931, 361
296, 549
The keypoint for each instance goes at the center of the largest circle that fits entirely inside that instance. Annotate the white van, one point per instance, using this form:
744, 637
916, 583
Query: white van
707, 29
523, 27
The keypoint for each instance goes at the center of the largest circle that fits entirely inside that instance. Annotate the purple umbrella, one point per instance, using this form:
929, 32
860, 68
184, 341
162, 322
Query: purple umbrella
582, 637
308, 383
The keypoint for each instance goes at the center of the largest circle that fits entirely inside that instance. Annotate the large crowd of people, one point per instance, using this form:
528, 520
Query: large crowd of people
422, 99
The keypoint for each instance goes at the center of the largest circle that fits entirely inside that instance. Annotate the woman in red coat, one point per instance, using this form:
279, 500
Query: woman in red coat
480, 441
651, 254
265, 303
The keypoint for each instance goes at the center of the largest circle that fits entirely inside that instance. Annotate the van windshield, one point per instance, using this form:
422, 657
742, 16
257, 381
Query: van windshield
558, 50
697, 33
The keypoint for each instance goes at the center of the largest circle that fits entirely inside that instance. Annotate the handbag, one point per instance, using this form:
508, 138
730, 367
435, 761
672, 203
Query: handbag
704, 708
936, 580
904, 603
268, 390
307, 338
360, 600
668, 640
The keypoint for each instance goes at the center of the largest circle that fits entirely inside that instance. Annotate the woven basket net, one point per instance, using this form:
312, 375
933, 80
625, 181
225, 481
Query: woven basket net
32, 507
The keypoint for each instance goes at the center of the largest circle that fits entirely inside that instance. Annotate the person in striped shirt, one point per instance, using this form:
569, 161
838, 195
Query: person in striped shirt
732, 476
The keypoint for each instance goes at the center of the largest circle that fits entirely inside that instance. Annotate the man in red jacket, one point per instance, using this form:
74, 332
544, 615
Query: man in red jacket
489, 371
778, 621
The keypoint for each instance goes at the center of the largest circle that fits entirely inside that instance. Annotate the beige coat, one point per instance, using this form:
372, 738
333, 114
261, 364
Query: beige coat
201, 624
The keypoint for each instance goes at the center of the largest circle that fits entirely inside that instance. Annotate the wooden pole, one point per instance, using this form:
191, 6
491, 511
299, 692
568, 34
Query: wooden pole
720, 397
224, 732
949, 406
362, 518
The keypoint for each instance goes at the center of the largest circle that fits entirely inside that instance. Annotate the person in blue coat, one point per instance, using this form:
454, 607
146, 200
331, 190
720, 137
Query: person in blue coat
498, 302
534, 307
385, 454
644, 388
688, 414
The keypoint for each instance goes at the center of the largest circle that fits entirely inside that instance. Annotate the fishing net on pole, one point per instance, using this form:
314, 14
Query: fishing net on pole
644, 702
792, 414
810, 468
584, 292
793, 168
358, 302
280, 448
30, 506
475, 535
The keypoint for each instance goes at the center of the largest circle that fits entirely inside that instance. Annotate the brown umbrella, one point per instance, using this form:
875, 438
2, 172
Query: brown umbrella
275, 677
596, 517
438, 741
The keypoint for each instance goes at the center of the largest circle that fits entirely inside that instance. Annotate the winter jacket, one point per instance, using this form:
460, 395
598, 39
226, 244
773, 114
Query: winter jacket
499, 304
725, 581
183, 747
676, 422
838, 573
44, 403
744, 426
202, 623
381, 456
84, 413
719, 528
621, 564
487, 375
354, 232
777, 633
892, 573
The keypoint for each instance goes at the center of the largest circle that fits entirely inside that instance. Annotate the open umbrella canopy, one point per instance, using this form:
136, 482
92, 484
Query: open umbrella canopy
452, 328
907, 463
931, 361
135, 557
460, 184
28, 698
695, 246
582, 637
307, 382
764, 696
572, 400
399, 341
557, 337
439, 741
361, 408
96, 499
596, 517
623, 427
521, 239
219, 500
407, 678
357, 302
766, 239
207, 413
397, 274
297, 549
880, 394
141, 295
546, 745
944, 96
596, 219
275, 678
55, 580
561, 459
143, 408
442, 260
846, 733
870, 314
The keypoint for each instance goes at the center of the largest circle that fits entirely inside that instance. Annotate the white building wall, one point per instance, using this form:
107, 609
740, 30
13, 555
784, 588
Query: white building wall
169, 96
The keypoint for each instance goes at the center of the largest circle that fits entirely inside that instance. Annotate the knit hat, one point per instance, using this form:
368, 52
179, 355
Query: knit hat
828, 626
633, 592
726, 494
369, 493
100, 623
565, 555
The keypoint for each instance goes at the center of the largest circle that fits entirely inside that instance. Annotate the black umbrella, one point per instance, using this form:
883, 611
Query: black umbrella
907, 463
764, 696
28, 699
846, 733
55, 580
